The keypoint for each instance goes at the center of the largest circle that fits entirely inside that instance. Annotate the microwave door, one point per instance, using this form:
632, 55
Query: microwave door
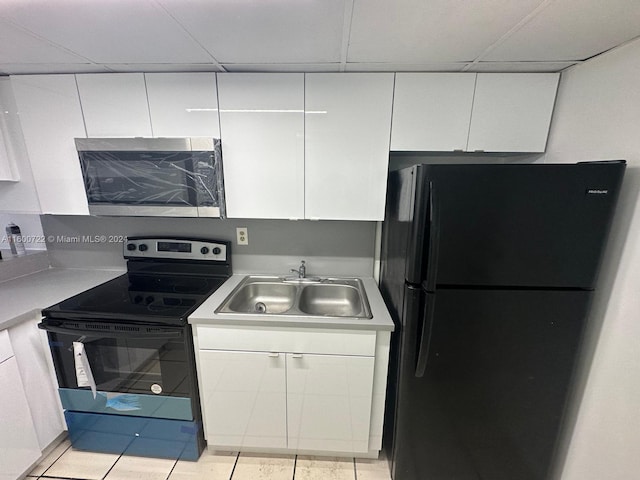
155, 183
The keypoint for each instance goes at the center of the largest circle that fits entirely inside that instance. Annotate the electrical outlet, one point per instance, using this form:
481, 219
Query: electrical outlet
242, 235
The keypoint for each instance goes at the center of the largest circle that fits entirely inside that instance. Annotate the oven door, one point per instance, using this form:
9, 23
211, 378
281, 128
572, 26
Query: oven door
136, 370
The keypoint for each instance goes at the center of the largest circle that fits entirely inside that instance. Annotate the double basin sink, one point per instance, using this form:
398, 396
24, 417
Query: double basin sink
328, 297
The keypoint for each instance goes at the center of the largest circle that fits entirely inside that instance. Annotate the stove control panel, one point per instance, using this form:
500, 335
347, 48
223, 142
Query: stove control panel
176, 248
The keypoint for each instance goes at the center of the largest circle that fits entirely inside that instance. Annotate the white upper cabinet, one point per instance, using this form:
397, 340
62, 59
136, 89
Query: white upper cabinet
512, 112
262, 129
51, 118
347, 132
432, 111
114, 104
183, 104
8, 169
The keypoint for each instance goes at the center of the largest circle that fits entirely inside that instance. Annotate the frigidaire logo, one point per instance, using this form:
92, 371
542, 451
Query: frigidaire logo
597, 191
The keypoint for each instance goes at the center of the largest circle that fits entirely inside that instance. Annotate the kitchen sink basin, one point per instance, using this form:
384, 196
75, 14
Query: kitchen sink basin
329, 297
331, 300
263, 297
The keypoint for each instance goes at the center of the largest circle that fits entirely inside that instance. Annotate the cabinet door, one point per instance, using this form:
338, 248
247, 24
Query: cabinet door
329, 402
114, 104
432, 111
183, 104
262, 124
51, 118
512, 112
33, 357
19, 447
243, 397
347, 131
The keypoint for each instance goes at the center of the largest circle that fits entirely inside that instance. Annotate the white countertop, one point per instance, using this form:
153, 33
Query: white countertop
205, 313
42, 289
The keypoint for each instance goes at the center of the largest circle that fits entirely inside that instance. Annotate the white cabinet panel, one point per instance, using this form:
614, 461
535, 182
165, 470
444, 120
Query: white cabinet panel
5, 346
329, 402
51, 118
8, 169
347, 133
33, 357
114, 104
183, 104
243, 397
287, 339
262, 125
432, 111
18, 441
512, 112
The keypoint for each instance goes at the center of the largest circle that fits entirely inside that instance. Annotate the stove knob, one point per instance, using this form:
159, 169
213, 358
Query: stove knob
148, 300
216, 251
137, 299
143, 247
131, 246
204, 250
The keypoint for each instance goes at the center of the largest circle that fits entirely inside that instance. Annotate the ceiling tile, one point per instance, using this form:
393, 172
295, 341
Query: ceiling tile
282, 67
572, 30
519, 66
405, 67
45, 68
415, 31
18, 46
164, 67
258, 31
117, 31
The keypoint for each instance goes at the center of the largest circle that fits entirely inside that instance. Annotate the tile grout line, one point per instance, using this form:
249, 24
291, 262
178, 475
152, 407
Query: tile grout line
172, 469
58, 458
114, 464
234, 466
295, 462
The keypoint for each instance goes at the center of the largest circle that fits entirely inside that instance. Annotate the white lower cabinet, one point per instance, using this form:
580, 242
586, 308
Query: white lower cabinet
292, 391
245, 396
19, 448
329, 402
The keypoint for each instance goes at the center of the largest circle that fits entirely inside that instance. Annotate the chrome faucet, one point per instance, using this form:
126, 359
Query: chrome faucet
302, 270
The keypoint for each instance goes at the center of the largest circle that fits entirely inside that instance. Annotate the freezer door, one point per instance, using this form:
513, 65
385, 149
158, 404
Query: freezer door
490, 401
512, 225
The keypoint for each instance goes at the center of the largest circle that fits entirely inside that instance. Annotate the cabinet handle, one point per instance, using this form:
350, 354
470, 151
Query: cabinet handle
273, 354
296, 355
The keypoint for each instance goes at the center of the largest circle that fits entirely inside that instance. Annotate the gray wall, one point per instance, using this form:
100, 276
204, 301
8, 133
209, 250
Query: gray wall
275, 246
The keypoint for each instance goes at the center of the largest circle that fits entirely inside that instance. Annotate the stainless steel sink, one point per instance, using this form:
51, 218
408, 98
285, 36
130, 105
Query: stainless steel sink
331, 300
329, 297
263, 297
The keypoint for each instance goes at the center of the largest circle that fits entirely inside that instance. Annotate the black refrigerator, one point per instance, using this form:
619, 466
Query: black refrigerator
488, 272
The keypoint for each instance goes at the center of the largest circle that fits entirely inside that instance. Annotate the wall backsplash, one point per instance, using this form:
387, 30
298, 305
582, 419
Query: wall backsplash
275, 246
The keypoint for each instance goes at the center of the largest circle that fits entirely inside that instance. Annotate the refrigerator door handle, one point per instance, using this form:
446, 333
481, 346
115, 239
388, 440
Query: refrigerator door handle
434, 241
425, 336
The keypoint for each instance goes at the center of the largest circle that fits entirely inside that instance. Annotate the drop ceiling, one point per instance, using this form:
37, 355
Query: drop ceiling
71, 36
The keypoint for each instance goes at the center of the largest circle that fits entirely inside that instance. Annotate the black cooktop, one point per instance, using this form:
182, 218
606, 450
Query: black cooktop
167, 279
139, 299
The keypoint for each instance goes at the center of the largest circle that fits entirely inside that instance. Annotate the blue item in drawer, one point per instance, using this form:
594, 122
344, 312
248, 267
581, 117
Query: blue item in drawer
141, 436
140, 405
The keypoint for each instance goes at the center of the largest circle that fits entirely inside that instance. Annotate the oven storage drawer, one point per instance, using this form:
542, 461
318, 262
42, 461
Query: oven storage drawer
141, 436
156, 406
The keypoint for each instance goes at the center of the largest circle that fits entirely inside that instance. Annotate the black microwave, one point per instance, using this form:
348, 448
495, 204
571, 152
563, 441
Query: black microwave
175, 177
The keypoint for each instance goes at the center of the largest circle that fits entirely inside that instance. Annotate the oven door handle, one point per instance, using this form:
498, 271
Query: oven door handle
152, 332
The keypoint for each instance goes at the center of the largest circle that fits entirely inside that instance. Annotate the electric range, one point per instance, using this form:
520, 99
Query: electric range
123, 351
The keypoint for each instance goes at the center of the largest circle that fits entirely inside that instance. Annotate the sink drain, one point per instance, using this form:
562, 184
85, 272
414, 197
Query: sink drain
261, 307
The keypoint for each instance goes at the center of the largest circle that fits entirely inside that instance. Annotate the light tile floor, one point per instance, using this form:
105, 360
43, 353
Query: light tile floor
65, 463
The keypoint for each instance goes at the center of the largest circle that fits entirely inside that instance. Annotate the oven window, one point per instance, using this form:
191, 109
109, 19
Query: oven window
142, 366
